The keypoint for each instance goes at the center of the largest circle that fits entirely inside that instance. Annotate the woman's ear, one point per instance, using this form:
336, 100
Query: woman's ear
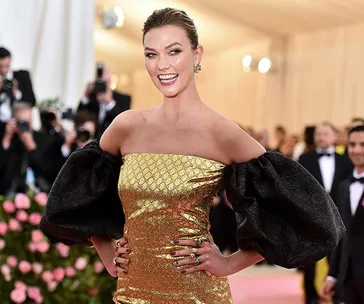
199, 51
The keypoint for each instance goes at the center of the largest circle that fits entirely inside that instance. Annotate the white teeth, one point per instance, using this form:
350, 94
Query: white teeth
167, 76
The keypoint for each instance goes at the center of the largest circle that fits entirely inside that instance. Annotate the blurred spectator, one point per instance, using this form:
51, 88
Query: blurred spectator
280, 137
357, 121
27, 158
85, 125
102, 102
306, 145
263, 138
14, 86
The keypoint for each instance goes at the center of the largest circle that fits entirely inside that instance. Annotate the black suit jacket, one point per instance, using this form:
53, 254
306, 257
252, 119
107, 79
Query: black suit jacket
122, 104
343, 168
45, 162
25, 86
351, 247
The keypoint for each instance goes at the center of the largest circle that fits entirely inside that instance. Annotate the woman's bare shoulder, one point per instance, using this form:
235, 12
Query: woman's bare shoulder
233, 141
123, 124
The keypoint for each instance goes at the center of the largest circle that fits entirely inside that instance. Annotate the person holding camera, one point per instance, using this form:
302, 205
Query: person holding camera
23, 150
85, 124
14, 86
100, 100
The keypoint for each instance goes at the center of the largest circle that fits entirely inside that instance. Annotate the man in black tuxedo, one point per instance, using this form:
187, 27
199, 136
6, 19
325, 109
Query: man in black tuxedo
105, 104
347, 262
14, 86
329, 168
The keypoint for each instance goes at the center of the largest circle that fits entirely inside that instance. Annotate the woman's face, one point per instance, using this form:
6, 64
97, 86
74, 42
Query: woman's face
169, 59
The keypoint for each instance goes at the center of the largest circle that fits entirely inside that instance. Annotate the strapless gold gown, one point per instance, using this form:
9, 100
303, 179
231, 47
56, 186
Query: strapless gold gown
167, 197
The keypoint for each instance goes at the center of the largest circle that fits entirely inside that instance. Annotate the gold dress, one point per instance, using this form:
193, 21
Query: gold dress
167, 197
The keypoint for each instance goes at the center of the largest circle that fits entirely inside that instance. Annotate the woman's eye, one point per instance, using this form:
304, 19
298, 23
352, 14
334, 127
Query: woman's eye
149, 55
175, 52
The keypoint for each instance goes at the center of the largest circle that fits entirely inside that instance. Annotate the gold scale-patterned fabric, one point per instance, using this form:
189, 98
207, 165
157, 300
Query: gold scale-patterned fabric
167, 197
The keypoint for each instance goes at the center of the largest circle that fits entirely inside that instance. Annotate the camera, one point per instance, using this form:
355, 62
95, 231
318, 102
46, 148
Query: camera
7, 87
83, 135
22, 125
66, 113
100, 84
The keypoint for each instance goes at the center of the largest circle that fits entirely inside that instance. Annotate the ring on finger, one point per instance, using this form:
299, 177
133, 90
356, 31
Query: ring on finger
192, 256
197, 261
114, 261
194, 250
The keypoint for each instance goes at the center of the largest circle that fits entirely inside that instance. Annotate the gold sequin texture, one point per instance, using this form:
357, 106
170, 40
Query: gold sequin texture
167, 197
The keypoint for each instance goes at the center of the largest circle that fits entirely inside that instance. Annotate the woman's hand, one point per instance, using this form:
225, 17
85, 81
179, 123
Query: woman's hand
120, 259
205, 256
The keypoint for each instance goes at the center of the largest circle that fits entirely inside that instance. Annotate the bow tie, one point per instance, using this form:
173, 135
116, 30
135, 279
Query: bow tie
324, 154
360, 180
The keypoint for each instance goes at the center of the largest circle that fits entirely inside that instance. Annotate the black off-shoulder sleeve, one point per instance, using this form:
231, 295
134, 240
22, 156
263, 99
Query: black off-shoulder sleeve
84, 200
282, 211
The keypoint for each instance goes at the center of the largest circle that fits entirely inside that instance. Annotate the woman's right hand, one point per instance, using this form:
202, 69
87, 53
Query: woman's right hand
121, 258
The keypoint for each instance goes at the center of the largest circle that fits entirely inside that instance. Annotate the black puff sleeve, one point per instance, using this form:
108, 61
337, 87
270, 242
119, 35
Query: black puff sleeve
282, 211
84, 200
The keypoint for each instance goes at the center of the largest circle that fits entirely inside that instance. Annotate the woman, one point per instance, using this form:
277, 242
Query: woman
167, 163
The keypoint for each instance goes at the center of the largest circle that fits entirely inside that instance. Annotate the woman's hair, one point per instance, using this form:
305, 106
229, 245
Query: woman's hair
171, 16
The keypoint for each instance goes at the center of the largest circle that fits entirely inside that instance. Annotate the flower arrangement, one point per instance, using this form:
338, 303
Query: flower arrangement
34, 271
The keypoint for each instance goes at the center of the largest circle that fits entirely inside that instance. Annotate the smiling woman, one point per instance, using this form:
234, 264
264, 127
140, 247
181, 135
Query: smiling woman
166, 164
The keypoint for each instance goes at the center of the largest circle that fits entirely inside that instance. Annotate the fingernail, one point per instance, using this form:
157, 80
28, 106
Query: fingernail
175, 263
126, 240
127, 261
183, 271
125, 271
176, 242
173, 253
128, 250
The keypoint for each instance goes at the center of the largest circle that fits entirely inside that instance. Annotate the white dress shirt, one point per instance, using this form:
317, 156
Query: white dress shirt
5, 102
103, 108
356, 190
327, 167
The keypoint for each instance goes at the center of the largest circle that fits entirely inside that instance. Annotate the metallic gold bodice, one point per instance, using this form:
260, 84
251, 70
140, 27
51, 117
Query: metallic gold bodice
167, 197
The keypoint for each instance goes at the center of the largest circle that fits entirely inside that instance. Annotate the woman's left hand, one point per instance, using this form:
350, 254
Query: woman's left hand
205, 256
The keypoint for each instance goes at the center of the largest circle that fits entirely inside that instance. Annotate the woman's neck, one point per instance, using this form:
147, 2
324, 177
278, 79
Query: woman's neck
176, 107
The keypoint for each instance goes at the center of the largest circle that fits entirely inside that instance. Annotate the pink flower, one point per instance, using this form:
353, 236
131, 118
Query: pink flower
33, 293
63, 250
33, 247
34, 219
37, 236
58, 274
81, 263
43, 247
37, 268
20, 285
52, 285
3, 228
70, 272
9, 207
18, 296
12, 261
2, 244
21, 216
41, 199
22, 201
98, 266
93, 292
14, 225
25, 267
5, 270
47, 276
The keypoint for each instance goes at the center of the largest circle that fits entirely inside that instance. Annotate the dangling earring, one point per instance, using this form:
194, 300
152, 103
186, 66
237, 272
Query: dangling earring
197, 68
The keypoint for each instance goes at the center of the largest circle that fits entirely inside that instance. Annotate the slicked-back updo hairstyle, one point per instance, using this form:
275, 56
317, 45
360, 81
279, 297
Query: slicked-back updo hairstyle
171, 16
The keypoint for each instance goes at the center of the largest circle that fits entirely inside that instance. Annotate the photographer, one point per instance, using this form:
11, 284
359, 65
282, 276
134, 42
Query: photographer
22, 149
14, 86
101, 101
85, 124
